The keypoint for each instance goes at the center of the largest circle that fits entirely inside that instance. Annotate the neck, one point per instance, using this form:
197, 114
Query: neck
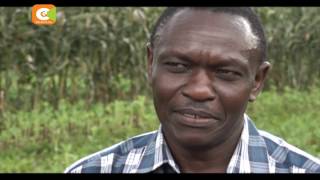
205, 160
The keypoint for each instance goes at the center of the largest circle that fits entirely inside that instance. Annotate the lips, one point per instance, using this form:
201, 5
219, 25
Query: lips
196, 114
195, 118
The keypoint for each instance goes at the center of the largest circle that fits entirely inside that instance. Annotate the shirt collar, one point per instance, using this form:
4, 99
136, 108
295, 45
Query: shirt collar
251, 153
157, 154
243, 160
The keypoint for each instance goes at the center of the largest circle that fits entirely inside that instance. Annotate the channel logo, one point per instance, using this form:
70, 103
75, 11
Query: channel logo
44, 14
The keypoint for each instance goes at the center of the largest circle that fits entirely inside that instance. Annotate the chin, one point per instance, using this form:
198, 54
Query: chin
194, 143
194, 139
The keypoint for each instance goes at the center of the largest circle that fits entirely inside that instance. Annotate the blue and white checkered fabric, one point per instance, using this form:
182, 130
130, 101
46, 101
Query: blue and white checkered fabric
256, 152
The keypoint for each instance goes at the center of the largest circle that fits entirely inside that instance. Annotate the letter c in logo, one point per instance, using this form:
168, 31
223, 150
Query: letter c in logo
42, 14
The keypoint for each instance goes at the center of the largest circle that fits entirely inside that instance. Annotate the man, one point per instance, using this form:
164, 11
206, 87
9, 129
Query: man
204, 66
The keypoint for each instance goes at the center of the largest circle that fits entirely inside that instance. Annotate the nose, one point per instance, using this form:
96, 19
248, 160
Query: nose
199, 87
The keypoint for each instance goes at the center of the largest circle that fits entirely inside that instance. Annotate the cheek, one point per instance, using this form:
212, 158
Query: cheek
165, 87
234, 98
162, 87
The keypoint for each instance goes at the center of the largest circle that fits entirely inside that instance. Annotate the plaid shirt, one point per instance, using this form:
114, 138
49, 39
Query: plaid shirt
256, 152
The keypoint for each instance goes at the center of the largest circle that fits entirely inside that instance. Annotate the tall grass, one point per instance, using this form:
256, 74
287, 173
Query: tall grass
82, 55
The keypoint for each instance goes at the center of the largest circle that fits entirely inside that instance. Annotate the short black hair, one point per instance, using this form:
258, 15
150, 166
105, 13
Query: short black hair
245, 12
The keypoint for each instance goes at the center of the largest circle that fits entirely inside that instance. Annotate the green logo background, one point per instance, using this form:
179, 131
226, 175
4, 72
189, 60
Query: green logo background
52, 14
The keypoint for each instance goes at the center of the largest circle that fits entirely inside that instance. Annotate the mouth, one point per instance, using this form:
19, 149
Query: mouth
195, 118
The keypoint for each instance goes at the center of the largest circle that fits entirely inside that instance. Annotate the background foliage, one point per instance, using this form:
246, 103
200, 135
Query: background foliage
76, 87
91, 51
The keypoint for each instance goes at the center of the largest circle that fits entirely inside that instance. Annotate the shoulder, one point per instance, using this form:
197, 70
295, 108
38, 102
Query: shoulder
287, 156
113, 158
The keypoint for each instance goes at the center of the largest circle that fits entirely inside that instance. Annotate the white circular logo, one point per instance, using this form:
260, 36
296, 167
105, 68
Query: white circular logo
42, 14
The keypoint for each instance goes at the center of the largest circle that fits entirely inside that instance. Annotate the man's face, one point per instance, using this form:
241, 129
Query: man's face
203, 71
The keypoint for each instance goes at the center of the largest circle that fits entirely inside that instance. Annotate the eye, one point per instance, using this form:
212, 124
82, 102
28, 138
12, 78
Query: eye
176, 67
228, 74
226, 71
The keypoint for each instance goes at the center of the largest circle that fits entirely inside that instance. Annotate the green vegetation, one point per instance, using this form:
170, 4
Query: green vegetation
293, 115
48, 140
79, 86
83, 56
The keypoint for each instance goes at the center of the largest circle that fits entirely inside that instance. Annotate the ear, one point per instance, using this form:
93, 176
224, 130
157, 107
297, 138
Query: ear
259, 80
150, 61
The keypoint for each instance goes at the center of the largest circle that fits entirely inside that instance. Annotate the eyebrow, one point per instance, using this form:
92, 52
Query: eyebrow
176, 54
233, 61
222, 61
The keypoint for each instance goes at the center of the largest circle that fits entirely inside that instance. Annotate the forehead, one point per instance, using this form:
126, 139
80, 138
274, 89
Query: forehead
203, 19
206, 31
